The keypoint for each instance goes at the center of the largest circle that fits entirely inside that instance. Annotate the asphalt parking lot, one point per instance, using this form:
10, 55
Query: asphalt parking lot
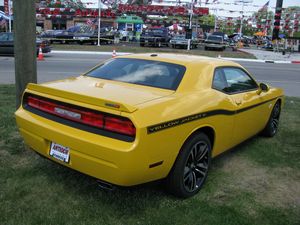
60, 65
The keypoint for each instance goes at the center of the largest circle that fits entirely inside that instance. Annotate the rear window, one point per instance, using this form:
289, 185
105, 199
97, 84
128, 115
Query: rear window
143, 72
214, 38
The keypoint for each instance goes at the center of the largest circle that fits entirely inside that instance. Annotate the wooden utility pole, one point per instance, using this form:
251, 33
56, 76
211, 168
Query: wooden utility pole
24, 45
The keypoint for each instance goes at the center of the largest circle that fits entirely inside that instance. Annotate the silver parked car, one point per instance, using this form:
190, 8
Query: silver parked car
182, 42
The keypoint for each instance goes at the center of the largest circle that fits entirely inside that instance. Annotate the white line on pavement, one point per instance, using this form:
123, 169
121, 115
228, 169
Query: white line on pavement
89, 52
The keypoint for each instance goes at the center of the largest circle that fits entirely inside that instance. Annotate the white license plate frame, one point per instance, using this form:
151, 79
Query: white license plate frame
59, 152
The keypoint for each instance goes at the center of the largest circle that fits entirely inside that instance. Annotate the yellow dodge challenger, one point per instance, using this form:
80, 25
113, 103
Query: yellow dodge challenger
139, 118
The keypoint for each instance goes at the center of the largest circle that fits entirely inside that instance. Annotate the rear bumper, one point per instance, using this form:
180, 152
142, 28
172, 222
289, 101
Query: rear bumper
114, 161
216, 46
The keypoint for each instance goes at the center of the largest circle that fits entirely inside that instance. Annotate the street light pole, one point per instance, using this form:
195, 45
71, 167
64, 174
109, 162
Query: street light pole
241, 26
9, 14
99, 20
190, 25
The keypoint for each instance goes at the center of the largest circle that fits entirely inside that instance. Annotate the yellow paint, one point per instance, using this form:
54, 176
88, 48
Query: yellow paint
127, 163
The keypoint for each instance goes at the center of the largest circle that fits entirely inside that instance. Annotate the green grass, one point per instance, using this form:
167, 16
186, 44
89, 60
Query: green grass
136, 49
258, 182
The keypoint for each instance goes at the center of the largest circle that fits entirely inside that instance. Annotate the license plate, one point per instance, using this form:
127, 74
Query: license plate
59, 152
146, 41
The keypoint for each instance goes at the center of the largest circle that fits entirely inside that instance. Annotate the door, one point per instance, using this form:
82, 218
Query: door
250, 110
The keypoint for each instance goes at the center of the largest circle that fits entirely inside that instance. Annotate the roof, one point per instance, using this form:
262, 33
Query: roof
181, 59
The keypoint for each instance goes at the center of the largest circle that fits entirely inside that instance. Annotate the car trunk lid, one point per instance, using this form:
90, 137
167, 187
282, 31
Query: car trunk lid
104, 93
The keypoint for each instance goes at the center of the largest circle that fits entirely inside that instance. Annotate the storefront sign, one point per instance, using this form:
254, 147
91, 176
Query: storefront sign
159, 9
122, 8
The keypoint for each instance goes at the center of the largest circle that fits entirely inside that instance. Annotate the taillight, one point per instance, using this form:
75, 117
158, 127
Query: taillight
92, 119
123, 126
96, 119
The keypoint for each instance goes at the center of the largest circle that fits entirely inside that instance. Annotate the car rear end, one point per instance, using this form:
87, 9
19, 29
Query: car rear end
92, 125
80, 136
214, 42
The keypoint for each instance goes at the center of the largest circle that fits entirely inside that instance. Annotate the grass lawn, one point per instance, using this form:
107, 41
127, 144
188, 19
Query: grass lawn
258, 182
137, 49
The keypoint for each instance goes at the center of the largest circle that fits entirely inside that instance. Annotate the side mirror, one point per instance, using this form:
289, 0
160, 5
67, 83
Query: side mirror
263, 88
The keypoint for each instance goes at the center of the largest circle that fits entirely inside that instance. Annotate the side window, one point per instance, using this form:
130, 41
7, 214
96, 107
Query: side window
231, 80
219, 81
237, 80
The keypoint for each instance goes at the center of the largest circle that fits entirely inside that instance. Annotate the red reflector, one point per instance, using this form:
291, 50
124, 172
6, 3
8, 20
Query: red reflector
119, 125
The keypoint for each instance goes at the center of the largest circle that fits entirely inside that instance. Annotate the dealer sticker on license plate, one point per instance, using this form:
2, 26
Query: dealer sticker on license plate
60, 152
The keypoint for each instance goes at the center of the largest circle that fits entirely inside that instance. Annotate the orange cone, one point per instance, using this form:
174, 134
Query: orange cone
114, 54
40, 56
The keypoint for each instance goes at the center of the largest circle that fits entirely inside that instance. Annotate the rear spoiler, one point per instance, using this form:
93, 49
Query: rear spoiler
80, 98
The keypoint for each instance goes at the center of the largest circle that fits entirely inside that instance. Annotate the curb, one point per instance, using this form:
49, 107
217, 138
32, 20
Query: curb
273, 61
259, 60
127, 53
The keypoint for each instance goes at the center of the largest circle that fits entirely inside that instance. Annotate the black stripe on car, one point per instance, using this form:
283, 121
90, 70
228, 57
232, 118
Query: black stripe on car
198, 116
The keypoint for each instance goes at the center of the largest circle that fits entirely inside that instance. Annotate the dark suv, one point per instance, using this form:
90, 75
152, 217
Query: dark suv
155, 37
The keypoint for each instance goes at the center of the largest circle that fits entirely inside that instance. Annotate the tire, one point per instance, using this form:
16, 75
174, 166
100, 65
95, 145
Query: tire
272, 126
205, 48
142, 44
191, 167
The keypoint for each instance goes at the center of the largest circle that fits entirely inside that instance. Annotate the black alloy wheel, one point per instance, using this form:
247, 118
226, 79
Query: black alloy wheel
191, 167
196, 166
272, 126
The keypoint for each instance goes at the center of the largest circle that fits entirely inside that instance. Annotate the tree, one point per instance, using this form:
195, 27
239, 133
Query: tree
24, 45
263, 20
290, 18
207, 20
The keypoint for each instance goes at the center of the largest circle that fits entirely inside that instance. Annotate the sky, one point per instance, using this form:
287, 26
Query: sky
225, 7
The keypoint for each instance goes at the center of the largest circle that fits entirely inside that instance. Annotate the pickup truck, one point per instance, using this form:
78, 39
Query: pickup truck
155, 37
